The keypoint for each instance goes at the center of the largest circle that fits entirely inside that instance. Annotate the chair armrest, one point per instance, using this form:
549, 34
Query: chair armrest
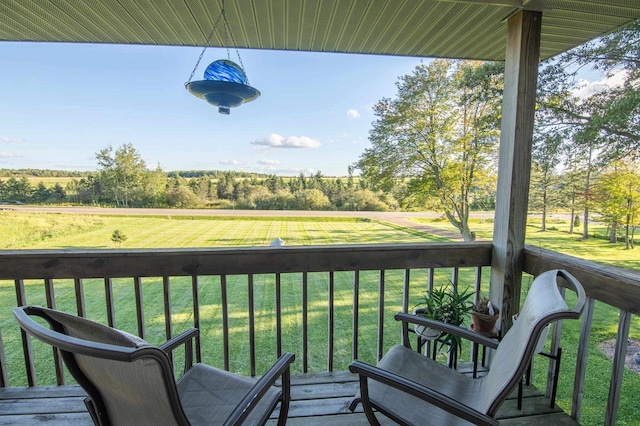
249, 402
448, 328
430, 395
185, 339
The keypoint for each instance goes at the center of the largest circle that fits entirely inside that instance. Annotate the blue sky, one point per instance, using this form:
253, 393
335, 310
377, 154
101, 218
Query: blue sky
62, 103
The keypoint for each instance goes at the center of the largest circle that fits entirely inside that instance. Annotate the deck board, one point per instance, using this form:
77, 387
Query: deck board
317, 399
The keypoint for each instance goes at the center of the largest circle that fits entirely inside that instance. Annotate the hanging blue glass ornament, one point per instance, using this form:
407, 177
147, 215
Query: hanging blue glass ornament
225, 85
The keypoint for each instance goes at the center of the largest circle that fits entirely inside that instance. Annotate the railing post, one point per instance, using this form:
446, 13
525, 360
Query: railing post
252, 326
80, 305
331, 309
356, 313
196, 314
137, 289
108, 295
305, 322
278, 315
51, 303
225, 320
381, 285
618, 368
4, 380
27, 349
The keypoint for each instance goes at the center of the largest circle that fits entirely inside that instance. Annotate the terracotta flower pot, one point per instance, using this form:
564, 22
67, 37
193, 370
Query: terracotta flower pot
484, 323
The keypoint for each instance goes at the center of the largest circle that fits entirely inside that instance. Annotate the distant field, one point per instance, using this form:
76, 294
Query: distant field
55, 230
50, 181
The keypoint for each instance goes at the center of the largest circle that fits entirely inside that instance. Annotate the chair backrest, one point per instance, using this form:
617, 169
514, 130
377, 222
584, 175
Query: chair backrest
128, 380
544, 304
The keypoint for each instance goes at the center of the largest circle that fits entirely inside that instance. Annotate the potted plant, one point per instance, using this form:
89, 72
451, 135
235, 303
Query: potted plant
445, 304
484, 316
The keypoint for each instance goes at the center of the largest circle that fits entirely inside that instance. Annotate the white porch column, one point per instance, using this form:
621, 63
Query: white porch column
514, 167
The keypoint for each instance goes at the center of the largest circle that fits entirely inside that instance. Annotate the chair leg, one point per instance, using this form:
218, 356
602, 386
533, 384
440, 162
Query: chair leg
554, 387
366, 404
286, 397
520, 394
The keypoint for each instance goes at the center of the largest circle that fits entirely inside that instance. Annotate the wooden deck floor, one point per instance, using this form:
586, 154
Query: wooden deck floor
317, 399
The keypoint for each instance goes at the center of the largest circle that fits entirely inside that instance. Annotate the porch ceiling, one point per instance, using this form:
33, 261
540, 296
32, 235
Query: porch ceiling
473, 29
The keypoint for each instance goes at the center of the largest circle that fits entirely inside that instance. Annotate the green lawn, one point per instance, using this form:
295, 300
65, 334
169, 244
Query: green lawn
21, 230
57, 230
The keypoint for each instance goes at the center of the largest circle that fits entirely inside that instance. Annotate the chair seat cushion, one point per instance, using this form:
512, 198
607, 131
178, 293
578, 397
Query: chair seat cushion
209, 395
414, 366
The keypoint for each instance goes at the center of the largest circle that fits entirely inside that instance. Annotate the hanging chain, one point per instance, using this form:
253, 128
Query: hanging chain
227, 33
206, 44
233, 39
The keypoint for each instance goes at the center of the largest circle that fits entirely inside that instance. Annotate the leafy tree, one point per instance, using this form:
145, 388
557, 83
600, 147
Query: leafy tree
41, 193
546, 155
181, 197
439, 135
123, 173
618, 198
118, 237
311, 199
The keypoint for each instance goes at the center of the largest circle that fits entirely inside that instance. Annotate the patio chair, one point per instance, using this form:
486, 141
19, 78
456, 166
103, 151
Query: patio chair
130, 382
412, 389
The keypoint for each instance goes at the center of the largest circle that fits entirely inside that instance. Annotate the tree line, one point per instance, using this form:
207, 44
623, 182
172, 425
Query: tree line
124, 180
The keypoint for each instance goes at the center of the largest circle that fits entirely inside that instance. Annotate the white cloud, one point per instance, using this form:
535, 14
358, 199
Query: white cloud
229, 162
353, 113
588, 88
10, 155
266, 162
10, 140
277, 141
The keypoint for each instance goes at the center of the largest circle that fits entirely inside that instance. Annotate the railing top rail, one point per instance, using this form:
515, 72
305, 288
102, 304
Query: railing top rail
612, 285
92, 263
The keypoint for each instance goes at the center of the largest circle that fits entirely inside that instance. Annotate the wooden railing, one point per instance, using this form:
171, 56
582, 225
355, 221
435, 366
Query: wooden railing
327, 304
305, 296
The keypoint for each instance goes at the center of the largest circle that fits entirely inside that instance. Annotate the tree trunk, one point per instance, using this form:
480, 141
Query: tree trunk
544, 209
573, 211
613, 237
585, 222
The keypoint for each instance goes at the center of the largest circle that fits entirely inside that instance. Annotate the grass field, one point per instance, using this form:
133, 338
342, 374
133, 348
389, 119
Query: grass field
21, 230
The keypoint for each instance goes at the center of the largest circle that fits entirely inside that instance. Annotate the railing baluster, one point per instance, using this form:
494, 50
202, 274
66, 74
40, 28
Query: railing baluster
166, 292
80, 305
381, 315
252, 326
455, 277
108, 293
405, 290
430, 280
4, 380
51, 303
305, 323
581, 359
356, 314
618, 368
225, 320
27, 350
331, 308
477, 284
196, 314
278, 315
137, 288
